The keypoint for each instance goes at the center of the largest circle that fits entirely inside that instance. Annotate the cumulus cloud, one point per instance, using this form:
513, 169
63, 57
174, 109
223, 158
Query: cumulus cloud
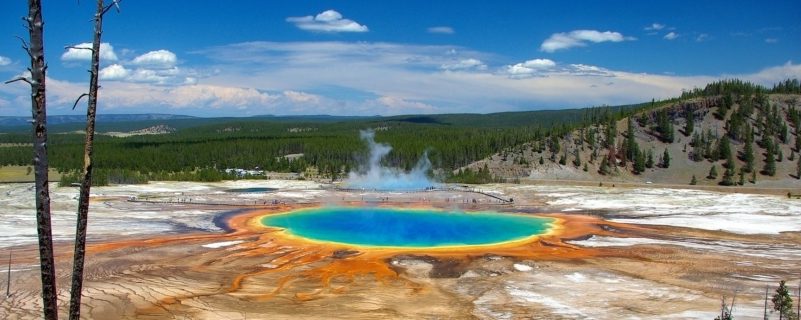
464, 64
156, 59
671, 36
530, 67
441, 30
579, 38
75, 54
114, 72
655, 27
301, 97
327, 21
4, 61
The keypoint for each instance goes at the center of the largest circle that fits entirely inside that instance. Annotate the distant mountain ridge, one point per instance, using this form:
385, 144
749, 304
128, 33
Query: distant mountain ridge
61, 119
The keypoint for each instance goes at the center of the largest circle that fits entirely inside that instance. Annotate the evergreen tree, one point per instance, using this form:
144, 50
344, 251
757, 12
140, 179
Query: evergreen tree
713, 172
693, 181
577, 160
780, 154
782, 302
698, 148
649, 161
748, 156
798, 171
604, 168
666, 159
753, 177
728, 177
639, 162
585, 167
542, 161
631, 144
724, 148
770, 164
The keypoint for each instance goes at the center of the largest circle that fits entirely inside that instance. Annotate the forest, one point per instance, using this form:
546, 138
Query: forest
330, 147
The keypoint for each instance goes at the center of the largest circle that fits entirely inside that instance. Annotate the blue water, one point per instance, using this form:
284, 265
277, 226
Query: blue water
384, 227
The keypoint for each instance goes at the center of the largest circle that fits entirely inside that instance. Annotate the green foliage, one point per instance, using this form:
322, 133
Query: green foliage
713, 172
639, 161
693, 181
666, 159
782, 302
664, 126
467, 175
770, 163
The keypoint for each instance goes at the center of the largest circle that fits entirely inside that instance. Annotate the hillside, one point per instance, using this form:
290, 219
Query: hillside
763, 121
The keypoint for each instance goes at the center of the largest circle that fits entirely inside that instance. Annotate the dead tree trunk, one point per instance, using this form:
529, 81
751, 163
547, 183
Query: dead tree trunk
35, 50
86, 183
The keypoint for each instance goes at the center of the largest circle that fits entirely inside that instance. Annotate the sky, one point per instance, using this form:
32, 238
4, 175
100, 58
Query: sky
245, 58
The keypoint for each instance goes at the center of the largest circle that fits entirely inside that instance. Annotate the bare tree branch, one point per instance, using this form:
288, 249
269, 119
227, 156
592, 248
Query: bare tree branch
78, 100
114, 3
19, 79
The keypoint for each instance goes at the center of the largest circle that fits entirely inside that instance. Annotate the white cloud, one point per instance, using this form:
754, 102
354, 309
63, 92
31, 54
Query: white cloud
530, 67
655, 27
771, 40
702, 37
301, 97
441, 30
671, 36
580, 38
156, 59
73, 54
4, 61
327, 21
114, 72
351, 78
464, 64
398, 105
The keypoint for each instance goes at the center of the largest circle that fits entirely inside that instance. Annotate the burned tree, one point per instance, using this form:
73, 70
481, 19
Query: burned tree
86, 182
35, 50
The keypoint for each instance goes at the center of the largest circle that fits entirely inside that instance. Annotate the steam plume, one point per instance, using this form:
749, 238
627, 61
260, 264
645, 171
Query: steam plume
376, 177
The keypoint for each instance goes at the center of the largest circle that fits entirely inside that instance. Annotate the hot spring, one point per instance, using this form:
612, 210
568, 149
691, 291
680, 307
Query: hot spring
410, 228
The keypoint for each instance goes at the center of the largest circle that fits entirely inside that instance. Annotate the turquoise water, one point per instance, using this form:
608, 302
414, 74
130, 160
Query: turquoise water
384, 227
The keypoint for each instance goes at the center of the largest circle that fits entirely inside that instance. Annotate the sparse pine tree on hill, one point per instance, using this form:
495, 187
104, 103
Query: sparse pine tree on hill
639, 162
753, 177
748, 156
649, 161
713, 172
611, 133
782, 302
631, 144
779, 154
728, 177
666, 159
693, 181
604, 168
770, 163
798, 172
698, 148
724, 148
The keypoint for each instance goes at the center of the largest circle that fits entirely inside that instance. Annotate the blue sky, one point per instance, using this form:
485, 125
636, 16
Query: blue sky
211, 58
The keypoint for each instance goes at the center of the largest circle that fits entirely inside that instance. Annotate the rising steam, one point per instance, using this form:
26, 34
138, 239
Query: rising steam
373, 176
